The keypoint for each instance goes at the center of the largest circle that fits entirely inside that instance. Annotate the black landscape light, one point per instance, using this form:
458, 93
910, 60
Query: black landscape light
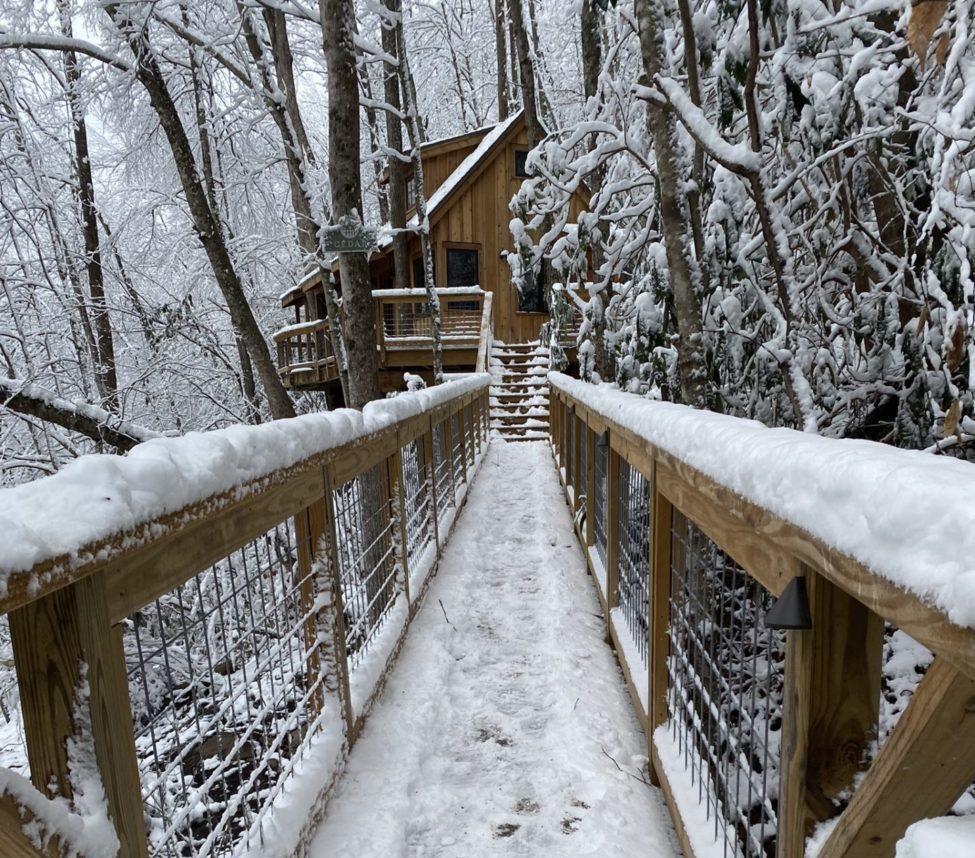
791, 609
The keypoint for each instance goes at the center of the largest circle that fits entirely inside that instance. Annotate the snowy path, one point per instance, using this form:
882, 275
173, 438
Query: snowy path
495, 733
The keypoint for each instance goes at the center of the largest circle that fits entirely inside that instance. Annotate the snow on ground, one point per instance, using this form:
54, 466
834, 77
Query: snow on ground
947, 837
505, 727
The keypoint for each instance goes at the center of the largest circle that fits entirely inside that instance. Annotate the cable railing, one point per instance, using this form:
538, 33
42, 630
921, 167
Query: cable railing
752, 648
211, 648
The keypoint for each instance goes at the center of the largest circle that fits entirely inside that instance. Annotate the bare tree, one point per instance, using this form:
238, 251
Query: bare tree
338, 27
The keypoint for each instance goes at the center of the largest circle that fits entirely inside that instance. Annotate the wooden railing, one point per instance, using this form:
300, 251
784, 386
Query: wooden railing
305, 354
205, 658
403, 319
764, 732
403, 326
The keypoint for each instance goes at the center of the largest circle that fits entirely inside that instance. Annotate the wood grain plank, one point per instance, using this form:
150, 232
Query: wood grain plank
921, 770
62, 642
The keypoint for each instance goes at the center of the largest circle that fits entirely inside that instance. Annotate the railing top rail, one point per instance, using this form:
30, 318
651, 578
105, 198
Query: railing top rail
105, 510
300, 328
484, 338
442, 291
892, 527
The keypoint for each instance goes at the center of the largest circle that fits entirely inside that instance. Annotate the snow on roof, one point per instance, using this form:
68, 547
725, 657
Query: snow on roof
904, 514
464, 169
99, 496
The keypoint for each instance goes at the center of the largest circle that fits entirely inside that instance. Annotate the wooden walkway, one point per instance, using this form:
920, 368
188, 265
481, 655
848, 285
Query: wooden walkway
505, 727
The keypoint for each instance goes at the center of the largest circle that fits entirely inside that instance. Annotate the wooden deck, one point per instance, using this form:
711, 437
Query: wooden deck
404, 339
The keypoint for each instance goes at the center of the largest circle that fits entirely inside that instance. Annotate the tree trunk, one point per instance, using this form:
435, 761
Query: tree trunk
308, 226
500, 18
529, 96
592, 61
338, 26
396, 159
204, 219
682, 264
413, 127
106, 378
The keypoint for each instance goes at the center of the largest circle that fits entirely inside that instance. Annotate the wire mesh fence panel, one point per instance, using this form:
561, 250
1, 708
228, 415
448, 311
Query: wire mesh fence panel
419, 506
599, 506
457, 448
724, 698
365, 535
226, 691
442, 478
634, 553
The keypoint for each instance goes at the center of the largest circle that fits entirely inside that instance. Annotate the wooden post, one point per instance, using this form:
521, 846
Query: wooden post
62, 642
462, 440
659, 616
830, 707
310, 530
921, 770
431, 469
590, 475
613, 498
394, 470
338, 609
471, 424
578, 478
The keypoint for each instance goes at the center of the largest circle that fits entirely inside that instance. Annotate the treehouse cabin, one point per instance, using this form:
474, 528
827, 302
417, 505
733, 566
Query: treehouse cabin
469, 181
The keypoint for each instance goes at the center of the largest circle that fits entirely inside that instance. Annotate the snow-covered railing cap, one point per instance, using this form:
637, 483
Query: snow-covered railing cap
100, 505
888, 523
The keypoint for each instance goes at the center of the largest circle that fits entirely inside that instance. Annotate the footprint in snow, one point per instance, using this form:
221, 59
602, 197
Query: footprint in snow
505, 829
526, 805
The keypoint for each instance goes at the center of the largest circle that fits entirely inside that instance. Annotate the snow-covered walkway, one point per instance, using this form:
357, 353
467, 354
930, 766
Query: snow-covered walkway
505, 727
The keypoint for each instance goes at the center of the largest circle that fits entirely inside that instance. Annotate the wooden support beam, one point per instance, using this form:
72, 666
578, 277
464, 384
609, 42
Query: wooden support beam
612, 529
921, 770
14, 843
398, 492
337, 618
63, 643
431, 471
590, 534
660, 561
830, 707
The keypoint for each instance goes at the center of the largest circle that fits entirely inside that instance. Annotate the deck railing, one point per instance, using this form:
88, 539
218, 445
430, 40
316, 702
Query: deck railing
403, 325
211, 662
305, 353
764, 733
403, 319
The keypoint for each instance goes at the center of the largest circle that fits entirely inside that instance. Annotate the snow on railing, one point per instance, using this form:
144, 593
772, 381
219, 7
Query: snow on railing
232, 601
694, 524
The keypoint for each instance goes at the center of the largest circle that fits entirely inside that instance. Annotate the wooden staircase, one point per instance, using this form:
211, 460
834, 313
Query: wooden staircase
519, 391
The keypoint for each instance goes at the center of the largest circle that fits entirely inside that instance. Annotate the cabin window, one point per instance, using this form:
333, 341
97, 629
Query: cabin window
462, 270
532, 296
320, 306
419, 281
521, 163
462, 267
410, 193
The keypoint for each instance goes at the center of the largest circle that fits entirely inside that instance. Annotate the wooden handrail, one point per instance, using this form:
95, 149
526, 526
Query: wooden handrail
484, 340
67, 612
832, 671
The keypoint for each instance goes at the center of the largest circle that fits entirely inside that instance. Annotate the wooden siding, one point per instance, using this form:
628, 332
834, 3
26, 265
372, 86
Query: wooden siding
474, 216
478, 217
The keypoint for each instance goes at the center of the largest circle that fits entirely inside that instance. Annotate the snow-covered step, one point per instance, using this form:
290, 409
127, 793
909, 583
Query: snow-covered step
519, 392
